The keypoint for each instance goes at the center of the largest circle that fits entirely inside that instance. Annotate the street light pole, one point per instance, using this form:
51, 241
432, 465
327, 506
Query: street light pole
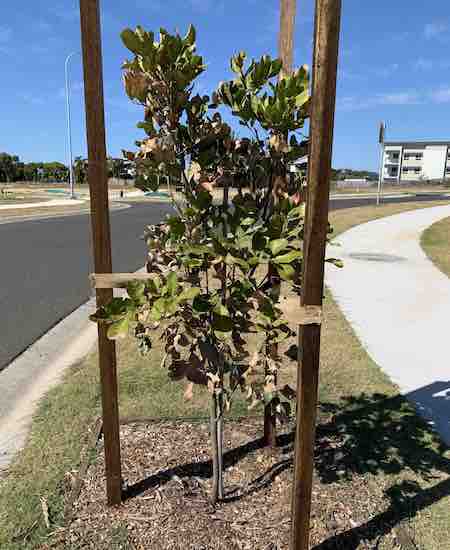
69, 129
380, 175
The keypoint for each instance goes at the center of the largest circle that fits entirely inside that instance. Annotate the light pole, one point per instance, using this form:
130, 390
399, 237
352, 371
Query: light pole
69, 130
380, 176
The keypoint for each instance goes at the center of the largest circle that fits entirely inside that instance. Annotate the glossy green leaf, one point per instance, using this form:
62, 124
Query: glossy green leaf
277, 245
172, 283
189, 293
336, 262
131, 41
222, 323
201, 304
287, 258
177, 227
192, 262
233, 260
222, 310
190, 36
118, 329
286, 271
158, 310
259, 241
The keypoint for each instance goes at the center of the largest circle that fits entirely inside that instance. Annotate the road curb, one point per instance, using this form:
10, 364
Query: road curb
37, 217
29, 377
39, 368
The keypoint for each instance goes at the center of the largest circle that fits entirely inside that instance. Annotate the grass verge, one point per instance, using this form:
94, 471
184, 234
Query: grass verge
436, 243
51, 211
383, 438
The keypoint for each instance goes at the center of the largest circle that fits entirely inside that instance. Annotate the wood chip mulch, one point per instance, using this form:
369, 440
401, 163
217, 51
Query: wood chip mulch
167, 471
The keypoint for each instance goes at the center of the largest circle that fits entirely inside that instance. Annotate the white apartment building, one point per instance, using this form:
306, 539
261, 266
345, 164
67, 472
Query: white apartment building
415, 161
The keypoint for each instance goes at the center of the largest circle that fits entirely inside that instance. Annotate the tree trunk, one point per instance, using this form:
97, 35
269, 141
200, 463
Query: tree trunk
215, 451
220, 444
270, 422
216, 417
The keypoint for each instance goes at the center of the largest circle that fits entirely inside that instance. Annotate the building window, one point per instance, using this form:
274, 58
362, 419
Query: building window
416, 156
417, 170
394, 171
405, 169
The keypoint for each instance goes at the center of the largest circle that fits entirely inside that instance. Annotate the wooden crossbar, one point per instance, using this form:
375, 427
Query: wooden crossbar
116, 280
305, 315
309, 315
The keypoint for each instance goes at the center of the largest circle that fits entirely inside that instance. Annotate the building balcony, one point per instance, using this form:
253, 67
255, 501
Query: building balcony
412, 164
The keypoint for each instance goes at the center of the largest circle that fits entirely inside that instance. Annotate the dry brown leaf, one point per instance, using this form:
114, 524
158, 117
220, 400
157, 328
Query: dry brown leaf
189, 391
44, 507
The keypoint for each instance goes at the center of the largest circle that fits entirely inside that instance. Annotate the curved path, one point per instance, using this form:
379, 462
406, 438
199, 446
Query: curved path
398, 303
45, 265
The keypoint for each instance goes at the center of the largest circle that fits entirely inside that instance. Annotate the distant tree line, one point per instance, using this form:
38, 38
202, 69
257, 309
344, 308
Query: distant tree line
12, 169
348, 173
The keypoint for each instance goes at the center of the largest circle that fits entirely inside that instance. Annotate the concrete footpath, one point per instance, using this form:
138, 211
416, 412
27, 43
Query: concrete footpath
398, 303
28, 378
39, 368
42, 204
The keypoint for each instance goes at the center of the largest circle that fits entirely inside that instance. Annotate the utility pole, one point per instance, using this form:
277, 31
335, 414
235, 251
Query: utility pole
381, 143
69, 128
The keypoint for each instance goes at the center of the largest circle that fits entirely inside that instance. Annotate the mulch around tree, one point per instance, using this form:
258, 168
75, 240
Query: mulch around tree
167, 471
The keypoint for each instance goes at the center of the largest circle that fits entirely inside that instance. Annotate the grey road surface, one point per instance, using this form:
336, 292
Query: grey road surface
45, 266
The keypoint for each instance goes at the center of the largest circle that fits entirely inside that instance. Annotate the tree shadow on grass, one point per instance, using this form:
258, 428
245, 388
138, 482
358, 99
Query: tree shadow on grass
370, 434
376, 433
380, 435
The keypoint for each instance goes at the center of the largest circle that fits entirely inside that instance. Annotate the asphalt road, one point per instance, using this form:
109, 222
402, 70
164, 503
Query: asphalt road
45, 266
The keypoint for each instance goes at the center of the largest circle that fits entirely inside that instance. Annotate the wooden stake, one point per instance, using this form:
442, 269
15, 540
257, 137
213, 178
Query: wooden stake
285, 47
101, 236
326, 45
286, 36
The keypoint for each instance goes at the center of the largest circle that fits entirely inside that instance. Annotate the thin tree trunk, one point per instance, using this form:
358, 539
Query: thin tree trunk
215, 450
219, 413
270, 423
216, 417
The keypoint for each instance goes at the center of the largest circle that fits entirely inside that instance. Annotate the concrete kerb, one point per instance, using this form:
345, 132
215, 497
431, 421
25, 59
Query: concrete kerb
32, 217
43, 204
35, 371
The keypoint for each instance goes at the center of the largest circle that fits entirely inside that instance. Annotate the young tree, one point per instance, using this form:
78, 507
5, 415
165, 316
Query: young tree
80, 170
208, 287
8, 167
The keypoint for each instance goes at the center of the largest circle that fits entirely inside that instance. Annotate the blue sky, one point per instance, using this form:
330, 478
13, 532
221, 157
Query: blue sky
394, 65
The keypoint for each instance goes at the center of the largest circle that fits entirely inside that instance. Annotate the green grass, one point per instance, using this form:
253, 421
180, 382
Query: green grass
383, 435
59, 434
436, 243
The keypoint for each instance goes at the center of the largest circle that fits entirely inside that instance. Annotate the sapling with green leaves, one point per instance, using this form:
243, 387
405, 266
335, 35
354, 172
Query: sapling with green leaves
208, 289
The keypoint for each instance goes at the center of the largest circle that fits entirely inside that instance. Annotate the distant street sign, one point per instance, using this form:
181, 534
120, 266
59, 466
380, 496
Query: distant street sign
381, 135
